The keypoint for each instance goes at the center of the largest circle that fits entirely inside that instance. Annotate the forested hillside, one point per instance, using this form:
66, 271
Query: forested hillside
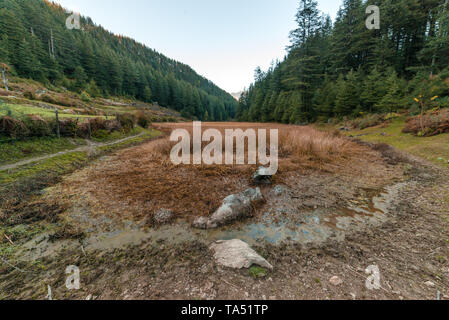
341, 68
35, 43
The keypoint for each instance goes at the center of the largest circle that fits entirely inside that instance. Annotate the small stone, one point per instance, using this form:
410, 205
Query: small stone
255, 195
336, 281
278, 190
163, 216
89, 297
430, 284
200, 223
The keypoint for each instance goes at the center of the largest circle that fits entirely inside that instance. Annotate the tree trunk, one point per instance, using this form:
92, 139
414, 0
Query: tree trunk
5, 81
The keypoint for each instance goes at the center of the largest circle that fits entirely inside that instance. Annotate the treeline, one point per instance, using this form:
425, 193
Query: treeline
344, 69
35, 43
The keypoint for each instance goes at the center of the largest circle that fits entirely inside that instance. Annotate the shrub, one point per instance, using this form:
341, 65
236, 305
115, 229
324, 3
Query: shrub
431, 124
127, 121
57, 100
37, 127
97, 124
12, 127
113, 125
85, 97
68, 127
143, 119
48, 99
29, 95
367, 121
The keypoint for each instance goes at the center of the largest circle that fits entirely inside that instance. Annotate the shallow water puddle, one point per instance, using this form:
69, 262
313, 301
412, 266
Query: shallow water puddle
315, 227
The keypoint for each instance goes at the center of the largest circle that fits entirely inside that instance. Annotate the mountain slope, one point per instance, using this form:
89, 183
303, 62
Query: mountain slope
35, 43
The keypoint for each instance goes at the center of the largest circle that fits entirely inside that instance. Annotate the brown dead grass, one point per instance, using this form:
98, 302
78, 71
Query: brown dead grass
431, 124
139, 181
296, 143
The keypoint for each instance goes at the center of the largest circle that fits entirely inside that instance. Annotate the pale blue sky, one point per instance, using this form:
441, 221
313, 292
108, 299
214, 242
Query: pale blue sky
221, 40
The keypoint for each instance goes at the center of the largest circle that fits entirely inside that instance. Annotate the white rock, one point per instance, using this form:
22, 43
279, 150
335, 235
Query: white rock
430, 284
233, 207
237, 254
336, 281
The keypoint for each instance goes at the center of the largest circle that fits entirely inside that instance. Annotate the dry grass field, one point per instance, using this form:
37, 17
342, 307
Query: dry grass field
137, 182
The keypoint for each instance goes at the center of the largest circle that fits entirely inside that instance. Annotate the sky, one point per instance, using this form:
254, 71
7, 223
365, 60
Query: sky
222, 40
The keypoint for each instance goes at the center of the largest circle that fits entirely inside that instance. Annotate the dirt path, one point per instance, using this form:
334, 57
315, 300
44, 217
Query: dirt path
89, 147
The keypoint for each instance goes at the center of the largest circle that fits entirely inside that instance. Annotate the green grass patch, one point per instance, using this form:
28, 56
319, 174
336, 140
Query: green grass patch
105, 136
66, 163
257, 272
435, 149
149, 134
117, 109
56, 165
18, 234
18, 110
11, 152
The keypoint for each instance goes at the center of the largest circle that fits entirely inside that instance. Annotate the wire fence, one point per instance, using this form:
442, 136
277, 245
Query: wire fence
19, 126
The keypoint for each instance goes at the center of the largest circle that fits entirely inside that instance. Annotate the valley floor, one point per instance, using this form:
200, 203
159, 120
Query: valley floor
373, 206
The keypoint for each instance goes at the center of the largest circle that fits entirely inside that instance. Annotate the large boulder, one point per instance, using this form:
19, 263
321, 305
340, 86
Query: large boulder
233, 207
237, 254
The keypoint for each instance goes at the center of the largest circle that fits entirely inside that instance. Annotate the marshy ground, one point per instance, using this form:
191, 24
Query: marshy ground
336, 206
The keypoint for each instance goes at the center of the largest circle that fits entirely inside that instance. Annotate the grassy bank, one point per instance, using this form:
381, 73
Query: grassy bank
434, 149
104, 136
16, 110
11, 152
66, 163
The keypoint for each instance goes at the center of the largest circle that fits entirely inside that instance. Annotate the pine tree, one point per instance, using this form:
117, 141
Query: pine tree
348, 47
93, 90
4, 54
374, 88
391, 102
304, 69
26, 63
347, 100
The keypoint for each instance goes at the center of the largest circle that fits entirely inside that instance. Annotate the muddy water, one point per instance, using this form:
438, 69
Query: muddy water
273, 227
315, 227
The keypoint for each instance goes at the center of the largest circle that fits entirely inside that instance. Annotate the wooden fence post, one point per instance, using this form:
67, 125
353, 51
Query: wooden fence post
89, 128
58, 133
